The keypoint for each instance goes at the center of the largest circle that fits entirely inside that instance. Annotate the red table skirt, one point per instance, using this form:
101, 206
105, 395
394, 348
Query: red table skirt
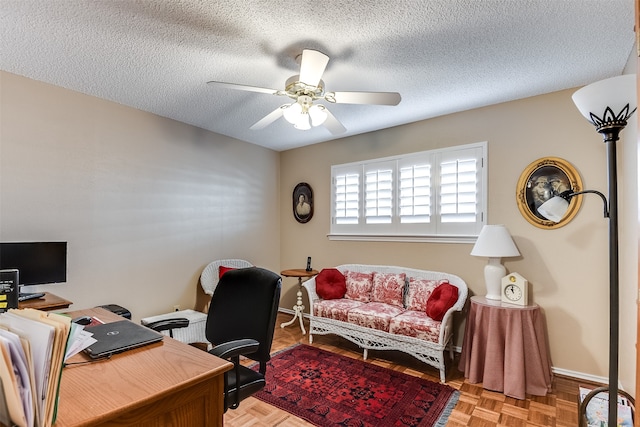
505, 349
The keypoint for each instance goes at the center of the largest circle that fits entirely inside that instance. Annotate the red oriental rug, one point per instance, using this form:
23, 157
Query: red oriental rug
328, 389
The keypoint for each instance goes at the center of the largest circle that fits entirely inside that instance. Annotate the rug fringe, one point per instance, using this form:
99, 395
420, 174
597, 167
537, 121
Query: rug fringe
254, 364
286, 349
446, 412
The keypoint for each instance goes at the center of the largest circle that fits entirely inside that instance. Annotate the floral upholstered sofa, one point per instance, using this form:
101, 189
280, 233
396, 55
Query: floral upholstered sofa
387, 308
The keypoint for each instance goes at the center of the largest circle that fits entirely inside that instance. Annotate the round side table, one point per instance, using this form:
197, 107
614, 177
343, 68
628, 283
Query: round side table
505, 348
298, 308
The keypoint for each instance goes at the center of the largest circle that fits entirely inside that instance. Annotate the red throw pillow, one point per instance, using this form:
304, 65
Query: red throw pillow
330, 284
222, 270
442, 299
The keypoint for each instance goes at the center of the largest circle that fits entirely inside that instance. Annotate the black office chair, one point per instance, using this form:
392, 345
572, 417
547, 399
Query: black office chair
168, 325
241, 321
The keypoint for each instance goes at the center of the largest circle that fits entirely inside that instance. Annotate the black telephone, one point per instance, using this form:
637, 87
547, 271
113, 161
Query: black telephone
309, 263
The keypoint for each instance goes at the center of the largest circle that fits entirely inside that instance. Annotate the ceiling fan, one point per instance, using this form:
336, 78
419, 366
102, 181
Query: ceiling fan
305, 89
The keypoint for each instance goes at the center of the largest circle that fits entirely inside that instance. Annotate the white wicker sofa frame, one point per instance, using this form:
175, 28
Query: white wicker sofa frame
366, 338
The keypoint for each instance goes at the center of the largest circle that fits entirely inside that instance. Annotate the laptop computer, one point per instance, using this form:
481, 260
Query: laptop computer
116, 337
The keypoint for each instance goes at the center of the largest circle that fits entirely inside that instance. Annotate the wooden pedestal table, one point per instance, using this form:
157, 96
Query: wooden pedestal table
298, 308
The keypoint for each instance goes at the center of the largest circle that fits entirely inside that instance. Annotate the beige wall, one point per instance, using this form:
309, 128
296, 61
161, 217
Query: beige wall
629, 232
567, 267
144, 202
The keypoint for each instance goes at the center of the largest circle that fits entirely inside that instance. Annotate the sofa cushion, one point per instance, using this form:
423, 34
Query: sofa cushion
330, 284
375, 315
359, 285
336, 309
442, 299
419, 292
416, 324
388, 288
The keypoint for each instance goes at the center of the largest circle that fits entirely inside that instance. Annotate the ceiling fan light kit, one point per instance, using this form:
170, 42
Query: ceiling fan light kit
306, 88
300, 112
318, 114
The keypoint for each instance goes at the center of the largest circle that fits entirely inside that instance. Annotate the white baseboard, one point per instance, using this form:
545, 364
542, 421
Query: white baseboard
581, 376
558, 371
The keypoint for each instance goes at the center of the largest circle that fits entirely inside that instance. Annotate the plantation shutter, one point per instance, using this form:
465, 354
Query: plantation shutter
415, 193
431, 194
378, 199
460, 197
346, 197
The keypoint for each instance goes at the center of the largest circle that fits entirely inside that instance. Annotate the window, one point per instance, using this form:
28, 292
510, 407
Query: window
438, 194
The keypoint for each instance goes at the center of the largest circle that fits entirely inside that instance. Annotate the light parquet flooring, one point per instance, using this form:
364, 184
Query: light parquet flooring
476, 407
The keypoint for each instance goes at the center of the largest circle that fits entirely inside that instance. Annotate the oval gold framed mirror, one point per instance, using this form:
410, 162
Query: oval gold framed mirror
543, 179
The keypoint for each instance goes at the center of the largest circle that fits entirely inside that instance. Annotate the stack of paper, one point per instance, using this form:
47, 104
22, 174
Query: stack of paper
32, 350
79, 338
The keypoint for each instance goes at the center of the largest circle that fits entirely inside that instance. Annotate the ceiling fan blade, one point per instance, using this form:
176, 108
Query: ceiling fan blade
312, 66
376, 98
269, 118
245, 87
332, 124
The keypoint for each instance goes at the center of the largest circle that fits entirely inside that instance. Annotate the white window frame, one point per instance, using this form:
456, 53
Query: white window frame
377, 221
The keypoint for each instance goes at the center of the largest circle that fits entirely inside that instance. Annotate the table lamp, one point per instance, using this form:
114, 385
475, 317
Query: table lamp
494, 242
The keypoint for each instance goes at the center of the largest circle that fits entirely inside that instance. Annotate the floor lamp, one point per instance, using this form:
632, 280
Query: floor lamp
607, 104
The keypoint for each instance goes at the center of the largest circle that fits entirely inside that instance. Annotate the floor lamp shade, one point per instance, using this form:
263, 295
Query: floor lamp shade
607, 101
494, 242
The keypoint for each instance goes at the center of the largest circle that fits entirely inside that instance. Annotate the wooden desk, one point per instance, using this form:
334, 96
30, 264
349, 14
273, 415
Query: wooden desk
505, 348
298, 308
49, 302
162, 384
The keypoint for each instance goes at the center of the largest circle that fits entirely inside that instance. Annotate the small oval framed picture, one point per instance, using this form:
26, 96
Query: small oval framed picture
543, 179
302, 202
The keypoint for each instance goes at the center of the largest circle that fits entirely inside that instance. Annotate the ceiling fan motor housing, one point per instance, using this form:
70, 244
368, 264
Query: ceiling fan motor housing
295, 88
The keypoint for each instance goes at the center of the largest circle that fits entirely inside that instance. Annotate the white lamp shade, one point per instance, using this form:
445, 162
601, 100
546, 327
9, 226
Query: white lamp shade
554, 209
302, 122
292, 113
495, 241
318, 115
614, 93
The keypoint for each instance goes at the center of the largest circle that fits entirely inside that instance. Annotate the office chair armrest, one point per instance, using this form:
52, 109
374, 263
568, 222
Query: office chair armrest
168, 324
235, 348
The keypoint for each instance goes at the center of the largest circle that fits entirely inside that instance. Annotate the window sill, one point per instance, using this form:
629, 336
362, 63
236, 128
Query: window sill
391, 238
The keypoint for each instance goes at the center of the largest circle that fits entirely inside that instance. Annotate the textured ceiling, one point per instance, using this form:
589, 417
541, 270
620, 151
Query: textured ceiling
441, 56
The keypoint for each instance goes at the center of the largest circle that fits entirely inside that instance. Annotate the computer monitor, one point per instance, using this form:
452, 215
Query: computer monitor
38, 263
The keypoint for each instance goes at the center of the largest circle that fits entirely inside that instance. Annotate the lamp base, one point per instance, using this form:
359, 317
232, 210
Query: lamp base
494, 271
